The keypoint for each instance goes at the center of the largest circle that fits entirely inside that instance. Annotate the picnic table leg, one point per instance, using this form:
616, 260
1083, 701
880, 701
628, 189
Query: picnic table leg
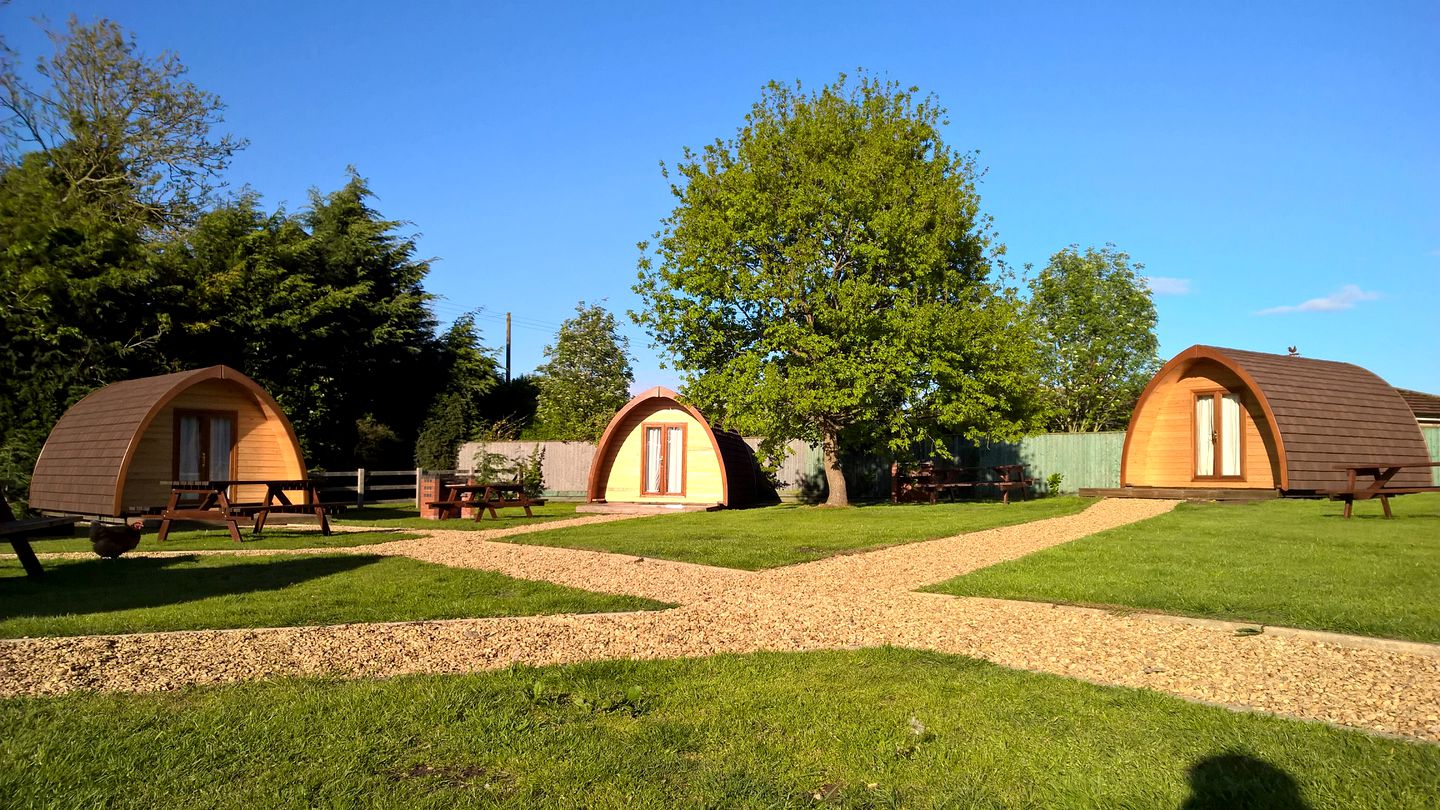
1385, 504
1349, 502
27, 557
234, 529
259, 522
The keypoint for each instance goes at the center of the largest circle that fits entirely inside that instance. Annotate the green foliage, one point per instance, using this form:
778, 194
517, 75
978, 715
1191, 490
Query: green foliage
827, 275
445, 429
586, 377
513, 403
128, 134
1053, 482
530, 471
1097, 322
77, 309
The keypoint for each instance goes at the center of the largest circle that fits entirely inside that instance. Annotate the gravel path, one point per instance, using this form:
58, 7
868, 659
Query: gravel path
844, 602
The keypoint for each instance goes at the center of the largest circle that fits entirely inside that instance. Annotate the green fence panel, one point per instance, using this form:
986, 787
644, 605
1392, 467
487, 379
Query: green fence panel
1432, 439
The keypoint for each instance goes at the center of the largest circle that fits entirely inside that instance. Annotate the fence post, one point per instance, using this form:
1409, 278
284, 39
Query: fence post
360, 488
418, 473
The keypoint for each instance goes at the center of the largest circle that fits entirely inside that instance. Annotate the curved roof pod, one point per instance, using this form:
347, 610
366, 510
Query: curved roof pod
1322, 414
83, 467
740, 482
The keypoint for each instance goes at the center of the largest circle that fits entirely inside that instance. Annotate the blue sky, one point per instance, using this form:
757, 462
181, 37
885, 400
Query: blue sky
1277, 164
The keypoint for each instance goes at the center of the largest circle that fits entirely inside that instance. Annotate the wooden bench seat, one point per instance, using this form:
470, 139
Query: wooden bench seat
19, 533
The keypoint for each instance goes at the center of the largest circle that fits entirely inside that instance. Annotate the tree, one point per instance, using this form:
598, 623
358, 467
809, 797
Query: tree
1097, 323
827, 276
324, 308
129, 135
77, 310
586, 377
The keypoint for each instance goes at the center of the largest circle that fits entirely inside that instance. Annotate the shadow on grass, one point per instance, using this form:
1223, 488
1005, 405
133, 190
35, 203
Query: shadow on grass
1233, 781
103, 586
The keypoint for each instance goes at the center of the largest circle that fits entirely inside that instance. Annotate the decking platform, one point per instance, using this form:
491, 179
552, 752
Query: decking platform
1183, 493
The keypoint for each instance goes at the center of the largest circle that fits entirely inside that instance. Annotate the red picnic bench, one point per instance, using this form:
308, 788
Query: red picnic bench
1380, 474
459, 495
209, 501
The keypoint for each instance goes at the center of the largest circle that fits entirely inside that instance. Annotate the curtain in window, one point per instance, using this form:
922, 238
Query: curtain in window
189, 466
675, 460
1230, 434
222, 432
653, 448
1205, 435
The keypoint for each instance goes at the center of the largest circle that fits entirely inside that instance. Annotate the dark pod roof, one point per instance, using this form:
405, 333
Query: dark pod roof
82, 466
1325, 414
1423, 405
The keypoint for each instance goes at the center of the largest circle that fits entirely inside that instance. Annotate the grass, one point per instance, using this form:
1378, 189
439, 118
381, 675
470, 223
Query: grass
405, 516
871, 728
1286, 562
781, 535
137, 594
205, 537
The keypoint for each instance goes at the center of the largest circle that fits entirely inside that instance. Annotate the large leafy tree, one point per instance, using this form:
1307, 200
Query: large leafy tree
1097, 322
586, 376
827, 275
128, 134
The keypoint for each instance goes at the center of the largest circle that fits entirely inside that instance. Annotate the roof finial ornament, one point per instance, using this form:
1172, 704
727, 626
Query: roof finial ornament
1294, 352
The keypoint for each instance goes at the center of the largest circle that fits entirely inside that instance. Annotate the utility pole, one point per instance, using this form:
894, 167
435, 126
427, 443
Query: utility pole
507, 347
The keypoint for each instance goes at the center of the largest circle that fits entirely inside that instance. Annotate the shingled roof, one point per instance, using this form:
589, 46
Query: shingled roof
1423, 405
1325, 413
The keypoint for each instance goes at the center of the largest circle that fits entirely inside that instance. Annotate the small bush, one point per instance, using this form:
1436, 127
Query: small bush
1052, 483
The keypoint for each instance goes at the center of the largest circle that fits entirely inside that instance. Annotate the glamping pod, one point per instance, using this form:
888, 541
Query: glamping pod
1225, 419
115, 451
659, 453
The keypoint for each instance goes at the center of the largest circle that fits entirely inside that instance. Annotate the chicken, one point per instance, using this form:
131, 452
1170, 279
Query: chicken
112, 541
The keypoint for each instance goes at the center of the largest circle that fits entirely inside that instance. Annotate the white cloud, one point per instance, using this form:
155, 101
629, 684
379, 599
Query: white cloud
1160, 285
1344, 298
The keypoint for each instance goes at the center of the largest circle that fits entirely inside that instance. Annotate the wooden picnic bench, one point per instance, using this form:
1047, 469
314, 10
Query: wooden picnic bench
209, 501
1380, 474
928, 481
460, 495
19, 533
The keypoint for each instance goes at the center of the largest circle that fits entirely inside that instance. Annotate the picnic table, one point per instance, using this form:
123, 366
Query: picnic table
210, 501
458, 495
1380, 473
929, 480
19, 533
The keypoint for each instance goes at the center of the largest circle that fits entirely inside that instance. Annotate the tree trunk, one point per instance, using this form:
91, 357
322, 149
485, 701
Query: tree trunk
834, 475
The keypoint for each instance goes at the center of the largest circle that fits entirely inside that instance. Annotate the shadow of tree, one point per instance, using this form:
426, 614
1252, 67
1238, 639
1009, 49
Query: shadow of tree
1234, 780
102, 586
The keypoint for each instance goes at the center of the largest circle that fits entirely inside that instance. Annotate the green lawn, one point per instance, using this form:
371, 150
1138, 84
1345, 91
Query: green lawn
199, 536
1286, 562
871, 728
405, 516
137, 594
781, 535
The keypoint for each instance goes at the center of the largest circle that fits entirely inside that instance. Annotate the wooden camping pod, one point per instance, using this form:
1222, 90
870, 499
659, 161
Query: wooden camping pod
114, 451
1299, 418
716, 467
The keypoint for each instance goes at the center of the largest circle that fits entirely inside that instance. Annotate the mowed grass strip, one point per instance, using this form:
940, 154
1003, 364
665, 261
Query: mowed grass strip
1286, 562
140, 594
771, 536
871, 728
206, 537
